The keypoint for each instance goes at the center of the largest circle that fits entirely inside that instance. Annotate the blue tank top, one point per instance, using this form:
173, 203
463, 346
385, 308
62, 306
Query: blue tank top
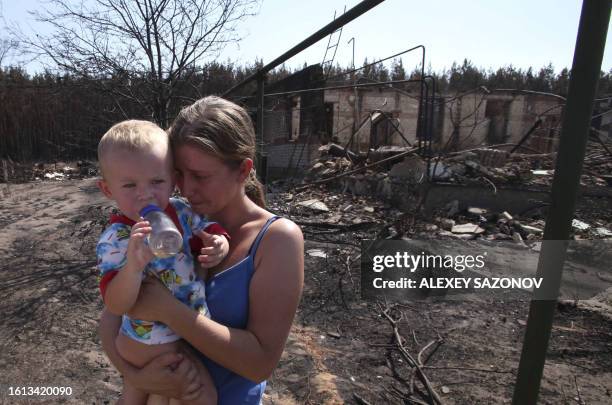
227, 296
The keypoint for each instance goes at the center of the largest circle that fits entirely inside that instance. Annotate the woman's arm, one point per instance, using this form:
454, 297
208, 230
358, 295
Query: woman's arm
274, 294
171, 374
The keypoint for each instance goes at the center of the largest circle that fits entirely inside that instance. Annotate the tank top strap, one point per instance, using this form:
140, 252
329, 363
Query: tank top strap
260, 235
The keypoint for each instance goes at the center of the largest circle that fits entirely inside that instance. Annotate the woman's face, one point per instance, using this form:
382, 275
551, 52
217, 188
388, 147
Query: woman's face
205, 180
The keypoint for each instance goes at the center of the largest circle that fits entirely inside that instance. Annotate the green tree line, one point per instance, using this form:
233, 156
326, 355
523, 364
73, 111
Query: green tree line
467, 76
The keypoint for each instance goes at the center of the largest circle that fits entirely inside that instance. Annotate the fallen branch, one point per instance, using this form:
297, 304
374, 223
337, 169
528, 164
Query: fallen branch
348, 263
439, 342
347, 227
416, 401
580, 401
421, 363
491, 183
360, 400
433, 395
469, 369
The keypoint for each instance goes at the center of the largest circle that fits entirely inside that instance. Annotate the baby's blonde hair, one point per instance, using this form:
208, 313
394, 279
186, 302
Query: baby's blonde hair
130, 135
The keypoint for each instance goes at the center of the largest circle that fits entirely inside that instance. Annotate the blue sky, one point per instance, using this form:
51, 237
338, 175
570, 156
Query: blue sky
491, 33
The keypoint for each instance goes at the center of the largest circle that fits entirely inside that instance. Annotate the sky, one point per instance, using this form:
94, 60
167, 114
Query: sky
490, 33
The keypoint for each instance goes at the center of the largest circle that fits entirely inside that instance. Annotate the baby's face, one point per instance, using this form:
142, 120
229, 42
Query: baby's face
135, 179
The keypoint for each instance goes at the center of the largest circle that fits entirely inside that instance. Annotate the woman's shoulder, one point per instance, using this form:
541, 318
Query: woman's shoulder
280, 256
282, 234
286, 228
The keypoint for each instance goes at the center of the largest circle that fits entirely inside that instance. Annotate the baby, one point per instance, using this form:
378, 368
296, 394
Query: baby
137, 170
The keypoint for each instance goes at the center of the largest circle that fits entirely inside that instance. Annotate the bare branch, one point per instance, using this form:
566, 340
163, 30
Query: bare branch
155, 43
6, 46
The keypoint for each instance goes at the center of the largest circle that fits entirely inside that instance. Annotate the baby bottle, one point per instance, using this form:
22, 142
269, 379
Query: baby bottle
164, 240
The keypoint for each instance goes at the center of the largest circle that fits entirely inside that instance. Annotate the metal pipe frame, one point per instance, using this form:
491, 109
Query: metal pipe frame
588, 54
344, 19
259, 166
429, 101
378, 61
347, 86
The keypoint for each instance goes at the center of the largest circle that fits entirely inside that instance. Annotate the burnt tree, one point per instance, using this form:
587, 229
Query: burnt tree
145, 46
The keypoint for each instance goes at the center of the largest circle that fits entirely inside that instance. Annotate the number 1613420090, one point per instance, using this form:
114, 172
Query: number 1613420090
26, 391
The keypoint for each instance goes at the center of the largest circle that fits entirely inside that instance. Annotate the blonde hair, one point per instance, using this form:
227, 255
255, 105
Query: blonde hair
130, 135
222, 129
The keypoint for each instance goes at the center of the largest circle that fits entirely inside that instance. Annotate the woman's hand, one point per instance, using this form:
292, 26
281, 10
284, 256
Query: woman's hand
170, 375
154, 301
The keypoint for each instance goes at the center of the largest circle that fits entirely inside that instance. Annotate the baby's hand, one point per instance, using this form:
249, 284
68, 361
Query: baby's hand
215, 249
138, 253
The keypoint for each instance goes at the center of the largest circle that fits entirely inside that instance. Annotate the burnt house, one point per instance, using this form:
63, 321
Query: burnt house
297, 121
294, 121
370, 117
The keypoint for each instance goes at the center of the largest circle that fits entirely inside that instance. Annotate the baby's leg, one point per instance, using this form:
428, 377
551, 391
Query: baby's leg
139, 354
208, 392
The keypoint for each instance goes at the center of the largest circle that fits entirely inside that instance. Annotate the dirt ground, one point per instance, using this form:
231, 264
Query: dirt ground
341, 349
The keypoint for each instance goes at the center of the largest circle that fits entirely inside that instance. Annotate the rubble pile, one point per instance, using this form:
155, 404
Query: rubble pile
598, 162
483, 166
61, 170
327, 167
337, 204
328, 208
475, 222
324, 208
20, 173
525, 169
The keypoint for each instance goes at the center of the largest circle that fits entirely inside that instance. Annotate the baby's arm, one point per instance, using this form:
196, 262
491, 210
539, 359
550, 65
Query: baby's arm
215, 248
211, 243
122, 291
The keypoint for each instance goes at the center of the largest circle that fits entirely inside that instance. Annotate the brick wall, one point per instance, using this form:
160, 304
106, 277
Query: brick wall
479, 119
291, 158
507, 120
351, 108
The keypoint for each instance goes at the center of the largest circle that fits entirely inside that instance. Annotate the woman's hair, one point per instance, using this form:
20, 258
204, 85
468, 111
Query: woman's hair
223, 129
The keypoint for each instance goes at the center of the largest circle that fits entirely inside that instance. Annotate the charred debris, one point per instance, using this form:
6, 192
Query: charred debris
393, 192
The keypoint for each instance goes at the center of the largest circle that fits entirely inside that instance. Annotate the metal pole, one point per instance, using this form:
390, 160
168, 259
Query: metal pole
421, 106
590, 44
259, 133
379, 61
344, 19
352, 60
348, 86
355, 95
429, 110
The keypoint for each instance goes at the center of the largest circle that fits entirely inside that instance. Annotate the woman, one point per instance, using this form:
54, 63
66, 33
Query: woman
252, 295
